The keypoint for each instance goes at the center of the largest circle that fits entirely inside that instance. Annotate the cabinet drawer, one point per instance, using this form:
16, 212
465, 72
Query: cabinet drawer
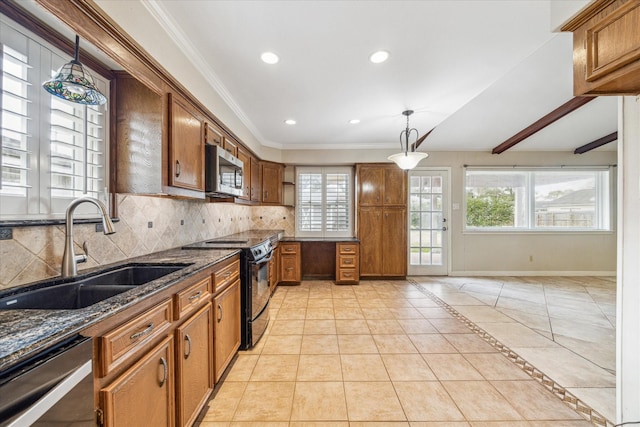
346, 249
192, 297
348, 261
289, 248
347, 275
116, 346
225, 276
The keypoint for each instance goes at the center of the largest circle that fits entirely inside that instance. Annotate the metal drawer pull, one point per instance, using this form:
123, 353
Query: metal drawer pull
187, 338
227, 275
146, 330
348, 275
219, 312
348, 261
195, 296
347, 249
165, 369
177, 168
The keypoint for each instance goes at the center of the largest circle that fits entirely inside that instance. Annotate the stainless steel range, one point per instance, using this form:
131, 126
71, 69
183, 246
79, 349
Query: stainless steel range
254, 282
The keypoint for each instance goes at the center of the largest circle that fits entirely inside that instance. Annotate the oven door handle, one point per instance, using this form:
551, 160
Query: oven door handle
263, 260
47, 401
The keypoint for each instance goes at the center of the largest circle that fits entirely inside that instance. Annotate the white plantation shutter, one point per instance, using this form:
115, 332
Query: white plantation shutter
324, 201
52, 150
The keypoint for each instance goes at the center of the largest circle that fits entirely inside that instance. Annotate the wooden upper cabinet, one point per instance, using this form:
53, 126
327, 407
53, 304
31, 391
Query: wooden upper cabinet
271, 182
256, 185
186, 145
381, 184
245, 157
370, 185
231, 146
213, 135
606, 48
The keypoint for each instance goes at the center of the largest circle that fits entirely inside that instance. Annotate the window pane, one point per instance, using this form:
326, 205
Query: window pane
496, 199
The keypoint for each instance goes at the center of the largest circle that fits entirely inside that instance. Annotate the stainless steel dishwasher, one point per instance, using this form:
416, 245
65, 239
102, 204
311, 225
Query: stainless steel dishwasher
53, 388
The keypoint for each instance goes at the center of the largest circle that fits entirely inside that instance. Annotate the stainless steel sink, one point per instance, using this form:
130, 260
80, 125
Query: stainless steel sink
85, 291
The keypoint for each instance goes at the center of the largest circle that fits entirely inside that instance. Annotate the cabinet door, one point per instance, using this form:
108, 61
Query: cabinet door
290, 266
394, 231
370, 185
213, 135
143, 395
370, 235
186, 146
245, 157
271, 183
226, 327
194, 364
256, 189
395, 187
231, 146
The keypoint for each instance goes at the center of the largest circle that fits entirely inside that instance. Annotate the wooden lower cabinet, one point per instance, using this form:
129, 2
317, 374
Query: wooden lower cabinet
290, 262
194, 365
226, 327
382, 233
144, 394
347, 263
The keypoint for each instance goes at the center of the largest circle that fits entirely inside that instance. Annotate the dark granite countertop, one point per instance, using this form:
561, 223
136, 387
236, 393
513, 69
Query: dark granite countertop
23, 333
240, 240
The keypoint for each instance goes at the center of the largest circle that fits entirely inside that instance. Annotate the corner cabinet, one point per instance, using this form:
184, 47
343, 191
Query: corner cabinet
271, 174
382, 220
606, 48
186, 145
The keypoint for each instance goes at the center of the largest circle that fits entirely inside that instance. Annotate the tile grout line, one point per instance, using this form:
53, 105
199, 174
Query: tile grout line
562, 393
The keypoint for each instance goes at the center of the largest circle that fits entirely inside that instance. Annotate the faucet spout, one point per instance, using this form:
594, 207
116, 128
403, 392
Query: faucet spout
69, 259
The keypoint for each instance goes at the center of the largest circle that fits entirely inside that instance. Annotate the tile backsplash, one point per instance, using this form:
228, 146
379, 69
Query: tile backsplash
147, 224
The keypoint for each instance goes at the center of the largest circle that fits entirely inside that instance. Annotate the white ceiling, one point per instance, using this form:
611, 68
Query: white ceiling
480, 71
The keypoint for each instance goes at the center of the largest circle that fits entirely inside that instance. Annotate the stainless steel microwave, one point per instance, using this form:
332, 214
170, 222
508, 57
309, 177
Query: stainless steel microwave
223, 173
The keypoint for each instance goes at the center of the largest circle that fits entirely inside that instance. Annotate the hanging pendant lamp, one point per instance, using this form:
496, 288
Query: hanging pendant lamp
407, 159
74, 83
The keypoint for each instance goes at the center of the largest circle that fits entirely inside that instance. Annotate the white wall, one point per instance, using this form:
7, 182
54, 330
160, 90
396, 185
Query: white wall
627, 313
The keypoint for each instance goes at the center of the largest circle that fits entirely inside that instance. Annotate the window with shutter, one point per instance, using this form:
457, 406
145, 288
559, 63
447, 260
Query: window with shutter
324, 201
51, 151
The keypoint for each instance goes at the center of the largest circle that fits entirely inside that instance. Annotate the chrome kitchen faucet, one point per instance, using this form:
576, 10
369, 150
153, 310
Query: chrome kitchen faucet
70, 260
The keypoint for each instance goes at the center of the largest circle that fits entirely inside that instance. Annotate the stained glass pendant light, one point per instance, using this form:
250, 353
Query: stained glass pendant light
74, 83
407, 159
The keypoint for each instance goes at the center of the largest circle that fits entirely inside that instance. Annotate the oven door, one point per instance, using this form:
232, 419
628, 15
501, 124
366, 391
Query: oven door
259, 285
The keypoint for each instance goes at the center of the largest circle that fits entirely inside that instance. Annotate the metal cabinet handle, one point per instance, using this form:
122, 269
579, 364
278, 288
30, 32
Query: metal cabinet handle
220, 313
187, 338
347, 249
227, 275
144, 332
348, 261
177, 168
289, 268
165, 369
195, 296
348, 274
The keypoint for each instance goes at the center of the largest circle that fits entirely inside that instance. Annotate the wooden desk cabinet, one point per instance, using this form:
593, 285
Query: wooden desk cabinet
347, 263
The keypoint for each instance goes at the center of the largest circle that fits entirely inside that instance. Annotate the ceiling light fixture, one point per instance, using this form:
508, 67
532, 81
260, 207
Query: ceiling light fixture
407, 159
379, 56
354, 121
269, 58
290, 122
74, 83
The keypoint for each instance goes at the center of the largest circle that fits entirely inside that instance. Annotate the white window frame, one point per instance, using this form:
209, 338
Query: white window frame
39, 200
604, 206
324, 171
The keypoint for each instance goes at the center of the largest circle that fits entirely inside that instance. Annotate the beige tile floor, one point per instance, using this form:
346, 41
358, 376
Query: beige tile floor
387, 353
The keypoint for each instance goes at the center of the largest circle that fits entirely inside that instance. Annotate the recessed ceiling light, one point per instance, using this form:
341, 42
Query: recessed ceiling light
290, 122
269, 58
354, 121
379, 56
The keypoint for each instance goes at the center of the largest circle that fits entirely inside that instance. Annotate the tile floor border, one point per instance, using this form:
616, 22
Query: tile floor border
562, 393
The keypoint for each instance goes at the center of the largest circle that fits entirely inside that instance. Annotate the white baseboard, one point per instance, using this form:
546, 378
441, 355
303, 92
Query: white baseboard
532, 273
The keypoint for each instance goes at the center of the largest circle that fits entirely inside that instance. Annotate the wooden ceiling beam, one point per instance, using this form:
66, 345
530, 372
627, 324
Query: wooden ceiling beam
597, 143
542, 123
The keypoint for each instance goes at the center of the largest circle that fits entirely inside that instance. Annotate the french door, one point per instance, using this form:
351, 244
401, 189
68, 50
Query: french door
428, 222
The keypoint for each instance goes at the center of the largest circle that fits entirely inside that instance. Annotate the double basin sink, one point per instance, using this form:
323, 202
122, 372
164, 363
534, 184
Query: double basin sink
76, 293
